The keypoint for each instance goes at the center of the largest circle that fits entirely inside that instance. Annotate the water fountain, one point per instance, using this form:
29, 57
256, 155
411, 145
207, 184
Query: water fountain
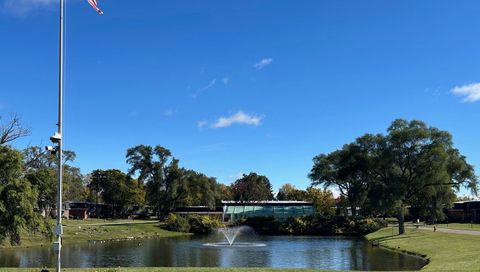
231, 234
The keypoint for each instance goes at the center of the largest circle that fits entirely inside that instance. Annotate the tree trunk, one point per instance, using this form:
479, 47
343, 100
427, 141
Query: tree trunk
353, 209
401, 219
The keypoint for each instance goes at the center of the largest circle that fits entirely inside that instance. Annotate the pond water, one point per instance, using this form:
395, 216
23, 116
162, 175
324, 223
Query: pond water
340, 253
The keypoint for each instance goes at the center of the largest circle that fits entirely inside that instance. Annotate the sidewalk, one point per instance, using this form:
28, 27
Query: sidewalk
454, 231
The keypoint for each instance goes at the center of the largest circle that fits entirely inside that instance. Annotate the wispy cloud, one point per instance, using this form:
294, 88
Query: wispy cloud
238, 118
203, 89
24, 7
226, 80
470, 93
263, 63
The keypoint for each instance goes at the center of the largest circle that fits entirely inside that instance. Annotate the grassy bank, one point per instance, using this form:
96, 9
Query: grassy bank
98, 230
167, 269
95, 221
446, 252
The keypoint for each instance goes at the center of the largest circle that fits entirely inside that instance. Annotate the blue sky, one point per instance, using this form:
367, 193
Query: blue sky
237, 86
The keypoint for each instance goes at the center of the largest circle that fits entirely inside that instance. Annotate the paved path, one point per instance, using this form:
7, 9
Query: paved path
454, 231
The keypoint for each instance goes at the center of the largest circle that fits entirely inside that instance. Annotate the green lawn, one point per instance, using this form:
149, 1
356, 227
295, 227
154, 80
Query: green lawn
77, 231
95, 221
446, 252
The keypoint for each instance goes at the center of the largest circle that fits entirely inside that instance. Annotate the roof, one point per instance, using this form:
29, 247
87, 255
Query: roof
198, 209
468, 201
267, 202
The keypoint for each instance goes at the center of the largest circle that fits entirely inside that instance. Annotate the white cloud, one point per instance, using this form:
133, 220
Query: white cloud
23, 7
470, 93
201, 90
263, 63
238, 118
226, 80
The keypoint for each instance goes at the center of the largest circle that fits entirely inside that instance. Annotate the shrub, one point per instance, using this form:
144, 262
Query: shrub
314, 225
369, 225
296, 225
321, 225
176, 223
203, 224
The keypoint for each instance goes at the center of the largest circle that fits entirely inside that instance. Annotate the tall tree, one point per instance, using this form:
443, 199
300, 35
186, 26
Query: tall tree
252, 187
41, 170
174, 188
222, 192
117, 188
164, 180
201, 190
413, 165
44, 180
422, 160
289, 192
323, 200
73, 185
347, 169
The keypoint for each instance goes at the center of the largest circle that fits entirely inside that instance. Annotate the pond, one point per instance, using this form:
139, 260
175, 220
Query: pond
339, 253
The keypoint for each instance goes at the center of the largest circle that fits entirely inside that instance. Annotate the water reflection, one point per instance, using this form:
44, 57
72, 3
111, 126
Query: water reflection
281, 252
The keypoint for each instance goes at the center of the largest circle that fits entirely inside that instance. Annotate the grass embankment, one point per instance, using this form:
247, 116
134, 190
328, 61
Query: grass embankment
98, 230
447, 252
167, 269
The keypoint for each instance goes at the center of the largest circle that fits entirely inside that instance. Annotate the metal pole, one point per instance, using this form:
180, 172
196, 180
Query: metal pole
58, 228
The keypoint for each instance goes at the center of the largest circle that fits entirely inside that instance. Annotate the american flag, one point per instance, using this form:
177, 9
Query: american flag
93, 3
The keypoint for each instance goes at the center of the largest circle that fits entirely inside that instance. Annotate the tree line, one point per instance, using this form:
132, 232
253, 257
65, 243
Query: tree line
163, 185
413, 165
155, 179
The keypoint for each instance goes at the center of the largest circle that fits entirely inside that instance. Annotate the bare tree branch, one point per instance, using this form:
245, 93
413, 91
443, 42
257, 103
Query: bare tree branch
12, 130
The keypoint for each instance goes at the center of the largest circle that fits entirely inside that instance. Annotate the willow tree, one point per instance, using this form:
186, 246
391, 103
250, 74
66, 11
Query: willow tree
421, 160
17, 200
412, 165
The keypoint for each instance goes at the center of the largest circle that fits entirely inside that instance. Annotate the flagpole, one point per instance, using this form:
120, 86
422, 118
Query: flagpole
58, 228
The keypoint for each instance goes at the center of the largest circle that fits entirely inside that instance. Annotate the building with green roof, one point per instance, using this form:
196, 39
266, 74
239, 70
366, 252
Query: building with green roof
281, 210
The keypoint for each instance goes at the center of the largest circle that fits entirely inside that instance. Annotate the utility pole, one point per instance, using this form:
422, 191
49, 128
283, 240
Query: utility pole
57, 139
